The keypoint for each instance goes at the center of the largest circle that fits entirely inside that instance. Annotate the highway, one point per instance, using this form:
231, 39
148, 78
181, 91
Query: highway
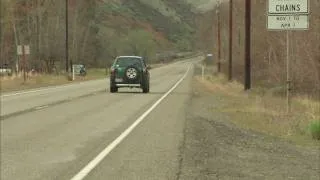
59, 132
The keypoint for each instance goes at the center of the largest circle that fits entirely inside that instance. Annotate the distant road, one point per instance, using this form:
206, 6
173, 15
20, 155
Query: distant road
23, 101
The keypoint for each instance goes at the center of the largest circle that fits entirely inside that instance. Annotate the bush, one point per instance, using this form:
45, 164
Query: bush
315, 129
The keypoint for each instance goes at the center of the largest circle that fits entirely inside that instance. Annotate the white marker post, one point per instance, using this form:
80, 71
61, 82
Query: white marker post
19, 52
202, 71
288, 15
208, 59
73, 73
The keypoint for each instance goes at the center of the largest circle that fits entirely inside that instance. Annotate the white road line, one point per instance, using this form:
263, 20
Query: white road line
93, 163
41, 107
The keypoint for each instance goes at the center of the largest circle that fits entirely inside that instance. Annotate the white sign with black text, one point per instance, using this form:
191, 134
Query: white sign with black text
19, 50
288, 6
27, 49
287, 22
23, 49
288, 15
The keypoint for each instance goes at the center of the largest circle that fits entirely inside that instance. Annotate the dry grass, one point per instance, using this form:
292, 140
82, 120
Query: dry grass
264, 112
16, 83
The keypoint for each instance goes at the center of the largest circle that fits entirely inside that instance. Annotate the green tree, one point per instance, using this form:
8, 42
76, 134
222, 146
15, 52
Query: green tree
183, 45
140, 43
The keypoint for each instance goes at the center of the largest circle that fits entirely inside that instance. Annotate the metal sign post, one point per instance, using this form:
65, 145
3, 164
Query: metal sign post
288, 15
288, 83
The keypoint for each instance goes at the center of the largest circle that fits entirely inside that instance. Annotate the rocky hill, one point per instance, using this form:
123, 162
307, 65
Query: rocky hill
99, 30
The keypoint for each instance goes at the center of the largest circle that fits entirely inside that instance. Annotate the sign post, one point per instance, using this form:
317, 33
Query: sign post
288, 15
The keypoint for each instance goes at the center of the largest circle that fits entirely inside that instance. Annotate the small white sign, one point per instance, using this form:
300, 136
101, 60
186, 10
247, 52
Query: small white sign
27, 49
288, 6
288, 22
19, 50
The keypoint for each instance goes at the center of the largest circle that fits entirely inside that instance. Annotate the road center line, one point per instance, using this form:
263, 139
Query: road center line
93, 163
41, 107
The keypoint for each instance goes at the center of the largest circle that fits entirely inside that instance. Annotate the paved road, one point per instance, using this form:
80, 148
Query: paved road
56, 142
12, 103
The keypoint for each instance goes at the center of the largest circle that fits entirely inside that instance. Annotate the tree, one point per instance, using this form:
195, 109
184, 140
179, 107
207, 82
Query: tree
140, 43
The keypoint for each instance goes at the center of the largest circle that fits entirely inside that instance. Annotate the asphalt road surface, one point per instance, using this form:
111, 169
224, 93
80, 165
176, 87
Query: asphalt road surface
44, 139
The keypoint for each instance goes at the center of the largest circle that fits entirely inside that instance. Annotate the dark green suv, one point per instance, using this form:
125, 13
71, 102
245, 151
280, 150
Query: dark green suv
129, 71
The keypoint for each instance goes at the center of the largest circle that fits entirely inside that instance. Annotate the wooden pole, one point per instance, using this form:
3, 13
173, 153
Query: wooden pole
247, 80
230, 40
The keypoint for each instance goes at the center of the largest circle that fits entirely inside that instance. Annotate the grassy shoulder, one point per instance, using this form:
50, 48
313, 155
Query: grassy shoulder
16, 83
264, 112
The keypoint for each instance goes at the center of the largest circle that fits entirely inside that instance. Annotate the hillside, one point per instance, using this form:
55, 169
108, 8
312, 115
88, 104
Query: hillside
99, 30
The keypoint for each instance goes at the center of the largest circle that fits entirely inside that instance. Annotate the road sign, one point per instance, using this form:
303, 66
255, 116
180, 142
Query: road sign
288, 6
288, 22
288, 15
27, 49
19, 50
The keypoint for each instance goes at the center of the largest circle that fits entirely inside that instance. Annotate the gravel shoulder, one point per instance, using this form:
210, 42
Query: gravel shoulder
215, 148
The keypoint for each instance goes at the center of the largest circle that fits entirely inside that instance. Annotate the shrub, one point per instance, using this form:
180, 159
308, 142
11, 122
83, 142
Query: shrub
315, 129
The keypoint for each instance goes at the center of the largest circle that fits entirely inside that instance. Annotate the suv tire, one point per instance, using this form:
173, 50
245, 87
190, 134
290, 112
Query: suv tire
146, 87
132, 73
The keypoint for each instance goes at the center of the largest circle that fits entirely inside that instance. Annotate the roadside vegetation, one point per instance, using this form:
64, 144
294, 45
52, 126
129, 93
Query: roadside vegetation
269, 50
264, 107
262, 110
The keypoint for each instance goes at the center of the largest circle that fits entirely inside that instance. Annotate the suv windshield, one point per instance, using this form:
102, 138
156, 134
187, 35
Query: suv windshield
127, 61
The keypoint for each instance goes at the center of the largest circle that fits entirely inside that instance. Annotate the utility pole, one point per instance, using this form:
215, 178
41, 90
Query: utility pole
230, 38
219, 39
247, 77
67, 37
